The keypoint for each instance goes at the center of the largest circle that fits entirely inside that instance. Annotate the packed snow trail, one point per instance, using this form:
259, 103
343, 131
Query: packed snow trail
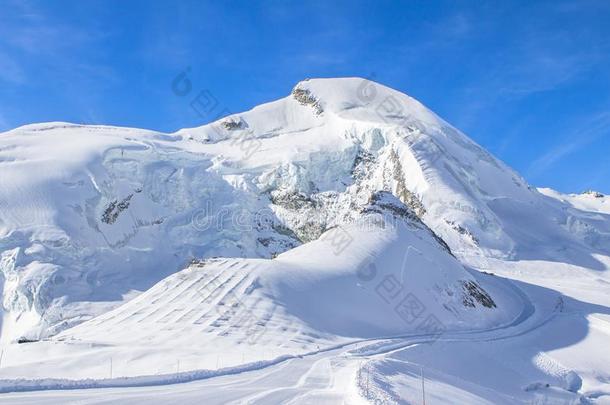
325, 377
342, 375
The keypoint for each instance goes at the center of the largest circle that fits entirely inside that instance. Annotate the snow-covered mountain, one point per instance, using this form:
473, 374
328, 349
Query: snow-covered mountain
344, 211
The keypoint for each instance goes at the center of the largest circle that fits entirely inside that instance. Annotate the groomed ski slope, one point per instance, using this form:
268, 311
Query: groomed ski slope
505, 365
554, 337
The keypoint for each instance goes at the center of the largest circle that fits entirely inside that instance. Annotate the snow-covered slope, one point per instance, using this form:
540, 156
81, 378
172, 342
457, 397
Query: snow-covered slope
344, 211
393, 279
593, 201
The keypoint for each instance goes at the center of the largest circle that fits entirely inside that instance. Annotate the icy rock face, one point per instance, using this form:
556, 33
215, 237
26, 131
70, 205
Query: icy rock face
233, 124
383, 201
594, 194
305, 97
111, 213
101, 213
473, 294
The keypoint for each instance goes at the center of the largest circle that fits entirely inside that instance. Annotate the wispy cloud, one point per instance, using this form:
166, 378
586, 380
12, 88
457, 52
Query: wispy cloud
530, 58
538, 66
588, 132
4, 124
10, 70
599, 179
32, 40
44, 37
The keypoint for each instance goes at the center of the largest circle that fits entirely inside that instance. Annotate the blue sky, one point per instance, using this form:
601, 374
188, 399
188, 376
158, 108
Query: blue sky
530, 81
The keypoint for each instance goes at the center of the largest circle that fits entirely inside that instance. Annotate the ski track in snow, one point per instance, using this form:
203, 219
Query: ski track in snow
315, 374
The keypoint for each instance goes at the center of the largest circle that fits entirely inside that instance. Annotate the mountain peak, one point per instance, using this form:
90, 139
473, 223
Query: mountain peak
363, 99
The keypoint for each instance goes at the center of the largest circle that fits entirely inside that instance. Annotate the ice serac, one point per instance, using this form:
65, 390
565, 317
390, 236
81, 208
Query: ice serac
351, 136
91, 216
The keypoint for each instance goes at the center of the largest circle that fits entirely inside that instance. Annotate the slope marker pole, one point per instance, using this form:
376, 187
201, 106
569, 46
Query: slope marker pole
423, 390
